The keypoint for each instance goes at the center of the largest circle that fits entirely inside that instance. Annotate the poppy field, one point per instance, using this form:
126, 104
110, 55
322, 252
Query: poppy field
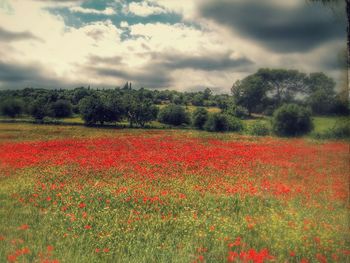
77, 194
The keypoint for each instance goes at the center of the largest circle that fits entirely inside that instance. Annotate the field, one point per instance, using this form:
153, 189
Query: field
77, 194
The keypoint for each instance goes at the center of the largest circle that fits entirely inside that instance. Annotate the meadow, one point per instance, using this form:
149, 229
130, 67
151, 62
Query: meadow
79, 194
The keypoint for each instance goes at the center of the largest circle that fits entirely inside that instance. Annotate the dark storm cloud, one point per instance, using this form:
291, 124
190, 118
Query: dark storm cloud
148, 79
8, 36
157, 72
205, 63
298, 28
21, 76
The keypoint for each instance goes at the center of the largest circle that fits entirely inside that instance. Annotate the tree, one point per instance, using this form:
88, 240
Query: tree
249, 92
114, 108
198, 100
321, 94
39, 109
332, 3
222, 123
282, 85
174, 115
199, 117
142, 112
12, 107
207, 93
292, 120
61, 109
93, 110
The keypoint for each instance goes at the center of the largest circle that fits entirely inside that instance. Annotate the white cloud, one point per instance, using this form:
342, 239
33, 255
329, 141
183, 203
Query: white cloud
78, 9
66, 52
124, 24
145, 9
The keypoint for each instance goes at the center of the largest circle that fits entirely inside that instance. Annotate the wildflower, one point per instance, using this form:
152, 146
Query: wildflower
50, 248
24, 227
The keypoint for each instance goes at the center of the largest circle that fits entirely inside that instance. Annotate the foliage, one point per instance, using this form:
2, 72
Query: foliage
93, 110
283, 85
199, 117
259, 128
292, 120
222, 122
321, 94
12, 107
61, 109
237, 111
141, 112
174, 115
249, 93
39, 109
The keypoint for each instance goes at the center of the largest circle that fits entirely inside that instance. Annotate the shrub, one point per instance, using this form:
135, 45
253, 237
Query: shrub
259, 128
238, 111
12, 107
292, 120
61, 109
222, 122
174, 115
199, 117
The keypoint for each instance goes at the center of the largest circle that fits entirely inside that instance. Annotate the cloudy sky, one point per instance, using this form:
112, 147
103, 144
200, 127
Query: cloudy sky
185, 45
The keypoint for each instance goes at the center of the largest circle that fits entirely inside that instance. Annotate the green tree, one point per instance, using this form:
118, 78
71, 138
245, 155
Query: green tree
139, 111
282, 85
12, 107
39, 109
199, 117
249, 93
174, 115
321, 93
93, 110
61, 109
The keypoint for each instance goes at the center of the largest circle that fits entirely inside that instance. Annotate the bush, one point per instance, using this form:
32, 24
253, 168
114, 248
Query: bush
174, 115
292, 120
61, 109
222, 123
259, 128
199, 117
238, 111
12, 107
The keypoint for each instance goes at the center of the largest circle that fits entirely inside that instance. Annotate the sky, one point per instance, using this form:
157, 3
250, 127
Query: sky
185, 45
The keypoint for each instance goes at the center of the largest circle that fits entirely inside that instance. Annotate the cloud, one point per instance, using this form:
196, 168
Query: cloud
78, 9
210, 62
200, 49
280, 28
16, 75
124, 24
144, 9
142, 78
7, 36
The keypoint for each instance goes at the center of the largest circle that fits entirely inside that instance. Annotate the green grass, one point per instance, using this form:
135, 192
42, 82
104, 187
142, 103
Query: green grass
321, 123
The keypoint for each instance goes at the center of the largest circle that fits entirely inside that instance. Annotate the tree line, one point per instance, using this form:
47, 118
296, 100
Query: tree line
262, 93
